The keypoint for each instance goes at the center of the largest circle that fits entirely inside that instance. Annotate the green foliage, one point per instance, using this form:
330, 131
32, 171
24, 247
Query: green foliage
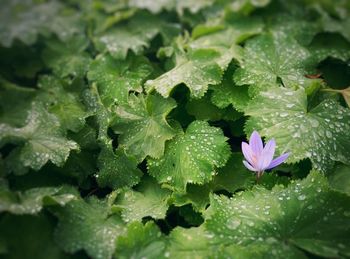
135, 35
149, 200
33, 234
116, 78
117, 170
191, 157
197, 71
206, 58
293, 127
62, 102
88, 225
26, 20
21, 96
121, 125
67, 58
142, 125
339, 179
41, 140
31, 201
282, 221
270, 58
141, 241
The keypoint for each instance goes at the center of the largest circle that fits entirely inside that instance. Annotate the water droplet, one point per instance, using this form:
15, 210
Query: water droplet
314, 123
301, 197
233, 224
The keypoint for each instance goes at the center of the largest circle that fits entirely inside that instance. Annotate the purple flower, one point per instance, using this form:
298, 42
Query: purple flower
260, 158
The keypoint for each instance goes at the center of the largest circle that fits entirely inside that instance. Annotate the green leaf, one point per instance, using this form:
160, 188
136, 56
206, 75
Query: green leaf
148, 200
40, 140
340, 10
26, 20
233, 31
116, 169
330, 45
339, 26
247, 6
62, 102
155, 6
339, 179
196, 195
270, 58
141, 241
321, 134
135, 35
196, 243
103, 116
142, 125
233, 176
15, 101
306, 215
296, 26
228, 93
194, 6
204, 109
28, 237
67, 58
80, 166
187, 244
191, 157
88, 225
196, 71
116, 78
32, 201
204, 63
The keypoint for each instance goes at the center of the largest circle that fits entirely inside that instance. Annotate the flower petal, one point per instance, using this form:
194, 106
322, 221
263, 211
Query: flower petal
248, 154
248, 166
277, 161
266, 155
256, 143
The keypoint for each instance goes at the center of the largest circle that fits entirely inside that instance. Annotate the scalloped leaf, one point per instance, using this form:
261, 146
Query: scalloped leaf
191, 157
204, 109
339, 180
88, 225
63, 102
67, 58
269, 58
306, 215
196, 71
228, 93
32, 201
187, 243
116, 78
25, 20
206, 59
321, 134
15, 101
232, 177
135, 35
116, 169
141, 241
148, 200
40, 140
142, 125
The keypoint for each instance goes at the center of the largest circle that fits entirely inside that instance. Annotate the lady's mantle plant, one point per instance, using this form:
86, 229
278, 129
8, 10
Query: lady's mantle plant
122, 122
